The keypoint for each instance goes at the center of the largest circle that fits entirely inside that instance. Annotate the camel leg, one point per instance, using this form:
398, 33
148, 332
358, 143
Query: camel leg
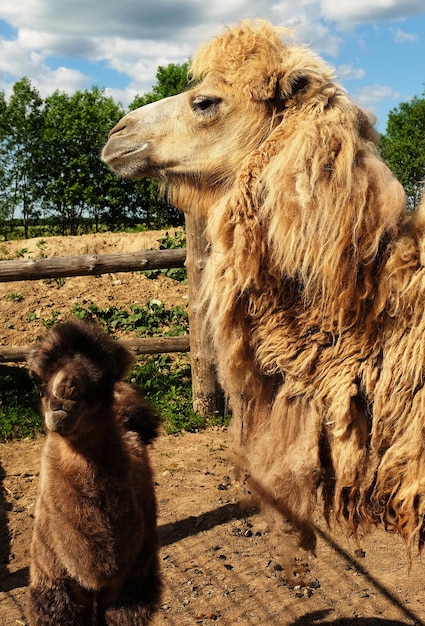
137, 601
51, 605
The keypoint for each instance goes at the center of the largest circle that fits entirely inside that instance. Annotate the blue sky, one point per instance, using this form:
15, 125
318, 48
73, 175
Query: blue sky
377, 48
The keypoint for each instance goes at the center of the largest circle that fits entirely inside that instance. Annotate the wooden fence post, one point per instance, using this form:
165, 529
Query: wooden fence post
207, 395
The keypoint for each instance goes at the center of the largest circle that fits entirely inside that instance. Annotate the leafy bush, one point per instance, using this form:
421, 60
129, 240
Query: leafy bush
167, 384
19, 415
171, 243
165, 379
150, 319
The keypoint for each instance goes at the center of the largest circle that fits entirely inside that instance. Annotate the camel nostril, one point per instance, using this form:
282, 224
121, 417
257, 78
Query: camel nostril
121, 127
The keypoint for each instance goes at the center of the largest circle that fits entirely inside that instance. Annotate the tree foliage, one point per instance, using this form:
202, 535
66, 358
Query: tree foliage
50, 159
403, 147
24, 122
4, 180
171, 80
76, 183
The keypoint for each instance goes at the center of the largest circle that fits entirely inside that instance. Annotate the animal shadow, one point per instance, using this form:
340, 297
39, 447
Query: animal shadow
318, 618
192, 525
8, 581
4, 531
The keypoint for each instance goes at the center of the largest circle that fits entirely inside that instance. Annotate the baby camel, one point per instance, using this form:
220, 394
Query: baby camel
94, 553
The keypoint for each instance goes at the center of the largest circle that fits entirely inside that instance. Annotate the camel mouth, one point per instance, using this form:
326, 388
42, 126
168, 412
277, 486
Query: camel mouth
60, 422
117, 157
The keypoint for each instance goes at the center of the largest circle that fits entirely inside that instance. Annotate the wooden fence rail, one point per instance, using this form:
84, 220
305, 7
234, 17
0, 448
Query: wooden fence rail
207, 397
145, 345
90, 264
95, 264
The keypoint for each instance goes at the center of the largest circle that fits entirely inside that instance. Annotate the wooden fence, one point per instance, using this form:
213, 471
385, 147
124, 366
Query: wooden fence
207, 397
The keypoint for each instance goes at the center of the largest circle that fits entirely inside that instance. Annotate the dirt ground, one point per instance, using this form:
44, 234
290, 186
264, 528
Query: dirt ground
24, 304
220, 564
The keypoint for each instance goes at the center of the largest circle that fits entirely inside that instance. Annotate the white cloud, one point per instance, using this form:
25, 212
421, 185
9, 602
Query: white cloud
319, 37
401, 36
63, 79
370, 95
347, 72
132, 37
347, 13
18, 59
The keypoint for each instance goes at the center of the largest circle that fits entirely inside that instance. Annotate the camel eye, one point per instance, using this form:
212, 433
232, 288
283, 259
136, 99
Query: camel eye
205, 104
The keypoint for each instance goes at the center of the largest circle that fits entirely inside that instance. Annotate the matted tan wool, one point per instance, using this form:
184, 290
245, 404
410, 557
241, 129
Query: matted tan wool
314, 289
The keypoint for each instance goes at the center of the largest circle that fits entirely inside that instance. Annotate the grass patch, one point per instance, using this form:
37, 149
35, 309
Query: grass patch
169, 242
165, 379
19, 415
166, 382
146, 320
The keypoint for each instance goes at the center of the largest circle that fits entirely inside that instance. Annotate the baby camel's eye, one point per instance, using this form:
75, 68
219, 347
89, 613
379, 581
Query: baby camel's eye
205, 104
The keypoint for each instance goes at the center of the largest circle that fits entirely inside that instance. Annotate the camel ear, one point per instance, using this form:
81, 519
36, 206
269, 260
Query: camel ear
299, 86
291, 84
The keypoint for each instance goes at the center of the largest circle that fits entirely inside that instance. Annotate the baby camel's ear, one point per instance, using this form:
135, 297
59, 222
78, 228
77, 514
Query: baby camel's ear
37, 382
33, 365
124, 359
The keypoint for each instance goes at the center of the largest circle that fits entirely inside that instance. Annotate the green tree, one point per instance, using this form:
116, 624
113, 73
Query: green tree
25, 125
5, 205
403, 147
171, 80
76, 183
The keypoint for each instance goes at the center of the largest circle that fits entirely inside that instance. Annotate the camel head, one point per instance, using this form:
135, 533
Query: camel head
275, 155
243, 83
75, 369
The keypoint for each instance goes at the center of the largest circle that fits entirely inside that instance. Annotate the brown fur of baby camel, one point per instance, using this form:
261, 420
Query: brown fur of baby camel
94, 553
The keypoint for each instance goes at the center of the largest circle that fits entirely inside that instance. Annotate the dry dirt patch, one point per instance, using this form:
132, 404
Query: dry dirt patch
219, 565
23, 304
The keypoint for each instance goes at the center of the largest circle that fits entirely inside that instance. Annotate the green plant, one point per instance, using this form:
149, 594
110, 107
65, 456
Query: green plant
21, 252
60, 281
167, 384
41, 244
19, 416
152, 318
15, 296
51, 320
167, 242
165, 379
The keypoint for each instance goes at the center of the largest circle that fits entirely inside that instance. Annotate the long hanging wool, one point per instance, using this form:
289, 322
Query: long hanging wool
314, 288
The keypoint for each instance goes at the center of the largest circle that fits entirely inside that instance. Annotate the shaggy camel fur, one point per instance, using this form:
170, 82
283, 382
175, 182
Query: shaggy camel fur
315, 285
94, 553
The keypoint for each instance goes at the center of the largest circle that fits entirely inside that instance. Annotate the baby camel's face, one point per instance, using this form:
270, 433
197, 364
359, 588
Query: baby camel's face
72, 396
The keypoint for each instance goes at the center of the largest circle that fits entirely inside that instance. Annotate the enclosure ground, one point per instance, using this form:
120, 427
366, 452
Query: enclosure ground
28, 307
221, 565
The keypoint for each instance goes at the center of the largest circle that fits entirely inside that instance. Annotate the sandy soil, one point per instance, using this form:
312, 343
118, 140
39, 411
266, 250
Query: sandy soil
23, 305
220, 564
